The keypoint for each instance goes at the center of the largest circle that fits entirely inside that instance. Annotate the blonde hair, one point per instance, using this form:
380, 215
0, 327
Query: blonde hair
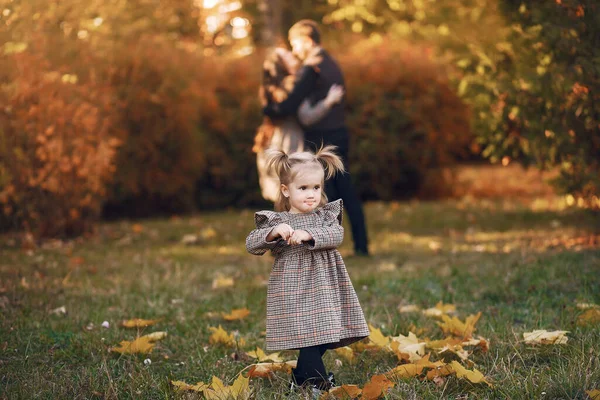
287, 166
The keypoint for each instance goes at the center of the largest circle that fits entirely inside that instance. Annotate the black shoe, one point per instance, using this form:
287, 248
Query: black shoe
331, 380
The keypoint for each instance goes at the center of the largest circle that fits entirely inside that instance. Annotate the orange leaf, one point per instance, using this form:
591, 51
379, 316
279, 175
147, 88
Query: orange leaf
345, 392
266, 370
376, 387
239, 313
139, 323
137, 228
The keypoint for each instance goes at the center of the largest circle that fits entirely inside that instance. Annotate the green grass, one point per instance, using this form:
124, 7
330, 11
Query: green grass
524, 266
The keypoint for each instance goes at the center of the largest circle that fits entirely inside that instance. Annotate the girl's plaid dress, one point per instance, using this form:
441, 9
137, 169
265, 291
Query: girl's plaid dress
310, 299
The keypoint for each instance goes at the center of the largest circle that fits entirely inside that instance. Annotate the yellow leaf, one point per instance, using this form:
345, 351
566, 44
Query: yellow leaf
139, 323
239, 313
480, 342
208, 233
440, 309
472, 376
443, 370
181, 386
140, 345
345, 352
591, 316
222, 282
240, 390
585, 306
458, 328
409, 346
440, 344
449, 352
266, 370
594, 394
543, 336
343, 392
155, 336
220, 336
405, 371
428, 364
377, 338
260, 355
377, 387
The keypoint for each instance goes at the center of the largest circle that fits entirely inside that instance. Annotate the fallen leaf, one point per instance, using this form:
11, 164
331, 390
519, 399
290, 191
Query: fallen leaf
236, 314
181, 386
343, 392
440, 309
377, 338
409, 308
543, 336
139, 323
240, 390
266, 370
589, 317
140, 345
59, 311
410, 346
137, 228
456, 327
594, 394
220, 335
222, 282
346, 352
377, 387
143, 344
189, 239
405, 371
260, 355
585, 306
208, 233
440, 344
481, 343
473, 376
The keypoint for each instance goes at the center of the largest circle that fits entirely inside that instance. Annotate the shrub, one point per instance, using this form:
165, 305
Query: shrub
57, 147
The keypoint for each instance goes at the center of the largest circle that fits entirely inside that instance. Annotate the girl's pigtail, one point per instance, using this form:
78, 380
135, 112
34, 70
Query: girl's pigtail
331, 161
278, 161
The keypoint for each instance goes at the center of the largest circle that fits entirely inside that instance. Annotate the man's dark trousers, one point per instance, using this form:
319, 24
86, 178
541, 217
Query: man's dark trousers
340, 186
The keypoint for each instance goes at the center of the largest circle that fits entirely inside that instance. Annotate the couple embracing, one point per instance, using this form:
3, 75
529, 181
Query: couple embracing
302, 94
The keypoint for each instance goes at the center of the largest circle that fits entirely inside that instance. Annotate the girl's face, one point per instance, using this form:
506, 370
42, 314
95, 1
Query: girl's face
305, 190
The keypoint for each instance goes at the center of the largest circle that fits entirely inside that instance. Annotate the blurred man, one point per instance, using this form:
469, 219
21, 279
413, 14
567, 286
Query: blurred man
313, 81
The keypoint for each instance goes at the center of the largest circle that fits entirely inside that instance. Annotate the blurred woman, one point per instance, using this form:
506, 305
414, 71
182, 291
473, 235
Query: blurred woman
286, 134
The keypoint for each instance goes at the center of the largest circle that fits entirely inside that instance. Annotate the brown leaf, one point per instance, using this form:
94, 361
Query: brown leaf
266, 370
589, 317
344, 392
377, 387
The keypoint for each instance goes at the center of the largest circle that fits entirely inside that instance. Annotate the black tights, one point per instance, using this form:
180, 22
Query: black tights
310, 364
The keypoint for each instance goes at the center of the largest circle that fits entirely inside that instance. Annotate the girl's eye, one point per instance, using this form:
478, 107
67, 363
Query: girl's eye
317, 187
302, 187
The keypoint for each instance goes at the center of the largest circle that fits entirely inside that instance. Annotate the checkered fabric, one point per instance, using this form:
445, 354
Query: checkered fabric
310, 299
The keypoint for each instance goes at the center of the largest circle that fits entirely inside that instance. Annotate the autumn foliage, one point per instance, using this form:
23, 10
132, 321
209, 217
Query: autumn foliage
59, 140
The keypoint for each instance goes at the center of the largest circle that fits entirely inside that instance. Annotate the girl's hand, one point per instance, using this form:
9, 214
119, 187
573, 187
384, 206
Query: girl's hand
283, 231
299, 236
334, 96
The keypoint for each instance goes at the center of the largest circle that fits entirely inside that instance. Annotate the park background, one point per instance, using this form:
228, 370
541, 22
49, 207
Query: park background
127, 182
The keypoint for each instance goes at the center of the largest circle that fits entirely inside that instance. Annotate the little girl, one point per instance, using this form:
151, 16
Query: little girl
311, 304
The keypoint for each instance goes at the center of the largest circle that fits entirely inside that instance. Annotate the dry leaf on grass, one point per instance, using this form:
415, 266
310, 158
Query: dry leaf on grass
542, 336
222, 282
182, 386
408, 348
236, 314
473, 376
139, 323
440, 309
343, 392
377, 387
410, 308
594, 394
589, 317
456, 327
220, 336
377, 338
240, 390
143, 344
346, 352
266, 370
260, 355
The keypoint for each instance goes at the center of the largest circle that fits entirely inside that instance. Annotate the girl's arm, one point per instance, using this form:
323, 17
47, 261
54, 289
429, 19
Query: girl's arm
309, 115
257, 242
302, 88
326, 237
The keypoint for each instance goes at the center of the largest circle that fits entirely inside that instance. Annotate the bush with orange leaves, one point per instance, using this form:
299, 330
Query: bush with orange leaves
161, 95
407, 124
58, 142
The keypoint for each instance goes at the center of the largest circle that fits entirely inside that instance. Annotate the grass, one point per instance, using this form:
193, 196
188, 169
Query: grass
524, 265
